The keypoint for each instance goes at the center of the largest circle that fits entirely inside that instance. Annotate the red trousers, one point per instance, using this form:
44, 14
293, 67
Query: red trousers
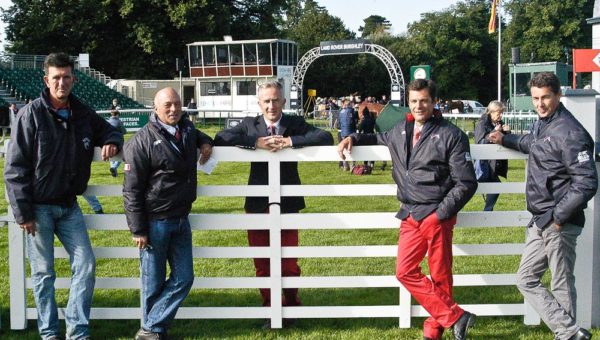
433, 237
289, 266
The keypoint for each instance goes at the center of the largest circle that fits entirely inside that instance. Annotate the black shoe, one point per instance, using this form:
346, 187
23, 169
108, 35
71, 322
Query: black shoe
582, 334
461, 327
143, 334
113, 172
99, 212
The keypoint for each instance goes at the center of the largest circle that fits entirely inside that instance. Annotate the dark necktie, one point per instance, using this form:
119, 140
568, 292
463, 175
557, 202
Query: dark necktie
177, 136
271, 130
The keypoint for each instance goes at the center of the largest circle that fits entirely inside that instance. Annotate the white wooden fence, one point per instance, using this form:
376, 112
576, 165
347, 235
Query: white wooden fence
404, 311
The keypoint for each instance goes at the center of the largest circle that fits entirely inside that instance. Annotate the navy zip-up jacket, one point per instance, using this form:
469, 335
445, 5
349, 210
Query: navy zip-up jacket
561, 173
48, 160
436, 175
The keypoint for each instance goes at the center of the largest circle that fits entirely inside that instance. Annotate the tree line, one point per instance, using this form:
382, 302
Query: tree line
140, 39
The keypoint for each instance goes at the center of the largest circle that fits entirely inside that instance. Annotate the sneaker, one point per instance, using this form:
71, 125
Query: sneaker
143, 334
113, 172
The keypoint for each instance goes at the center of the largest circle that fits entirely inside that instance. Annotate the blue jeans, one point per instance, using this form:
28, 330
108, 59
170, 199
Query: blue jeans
491, 199
170, 240
68, 225
93, 202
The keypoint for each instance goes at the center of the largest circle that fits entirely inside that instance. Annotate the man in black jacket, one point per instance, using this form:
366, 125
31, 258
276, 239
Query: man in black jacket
160, 187
435, 178
47, 166
561, 179
274, 131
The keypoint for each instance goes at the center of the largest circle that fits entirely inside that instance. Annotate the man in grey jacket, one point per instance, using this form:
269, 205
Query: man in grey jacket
47, 166
561, 179
435, 178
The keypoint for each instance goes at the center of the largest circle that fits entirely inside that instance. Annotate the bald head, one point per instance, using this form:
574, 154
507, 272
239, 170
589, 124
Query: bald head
167, 105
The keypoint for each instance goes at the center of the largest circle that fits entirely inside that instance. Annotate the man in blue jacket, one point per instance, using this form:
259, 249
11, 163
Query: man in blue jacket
561, 179
47, 166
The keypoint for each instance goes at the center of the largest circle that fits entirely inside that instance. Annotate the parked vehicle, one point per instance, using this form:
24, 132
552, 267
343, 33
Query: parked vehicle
473, 106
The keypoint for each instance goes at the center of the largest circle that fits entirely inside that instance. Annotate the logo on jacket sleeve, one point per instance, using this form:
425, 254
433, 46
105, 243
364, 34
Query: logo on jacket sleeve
583, 156
86, 143
127, 167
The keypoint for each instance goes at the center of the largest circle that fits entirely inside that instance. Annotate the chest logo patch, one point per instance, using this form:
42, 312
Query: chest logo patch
583, 156
86, 143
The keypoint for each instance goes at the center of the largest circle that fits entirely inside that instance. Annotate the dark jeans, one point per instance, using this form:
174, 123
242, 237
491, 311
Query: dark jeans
491, 199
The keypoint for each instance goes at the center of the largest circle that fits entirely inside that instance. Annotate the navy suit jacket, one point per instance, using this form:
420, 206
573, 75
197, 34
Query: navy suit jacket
247, 133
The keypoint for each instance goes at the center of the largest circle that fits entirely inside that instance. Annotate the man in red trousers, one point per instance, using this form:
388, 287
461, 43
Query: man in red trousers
435, 177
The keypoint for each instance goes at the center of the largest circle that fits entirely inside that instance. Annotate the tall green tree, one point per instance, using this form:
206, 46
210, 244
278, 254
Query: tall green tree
456, 43
135, 38
375, 25
548, 30
325, 74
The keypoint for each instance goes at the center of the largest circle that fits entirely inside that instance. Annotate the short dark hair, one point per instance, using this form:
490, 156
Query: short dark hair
545, 79
422, 84
59, 59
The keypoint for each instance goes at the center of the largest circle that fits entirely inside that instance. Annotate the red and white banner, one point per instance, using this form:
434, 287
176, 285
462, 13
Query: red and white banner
586, 60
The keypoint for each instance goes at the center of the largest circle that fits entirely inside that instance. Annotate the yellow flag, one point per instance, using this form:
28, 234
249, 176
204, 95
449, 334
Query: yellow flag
493, 18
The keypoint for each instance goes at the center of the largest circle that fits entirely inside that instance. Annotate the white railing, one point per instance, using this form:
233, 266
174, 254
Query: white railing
19, 283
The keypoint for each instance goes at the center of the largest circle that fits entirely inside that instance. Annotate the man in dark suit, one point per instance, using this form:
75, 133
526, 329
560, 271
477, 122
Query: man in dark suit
274, 131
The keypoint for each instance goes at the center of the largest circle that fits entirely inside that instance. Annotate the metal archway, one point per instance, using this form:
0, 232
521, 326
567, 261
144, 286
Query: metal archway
392, 66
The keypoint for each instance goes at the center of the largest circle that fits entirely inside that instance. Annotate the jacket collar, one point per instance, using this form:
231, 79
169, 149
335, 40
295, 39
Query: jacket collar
77, 108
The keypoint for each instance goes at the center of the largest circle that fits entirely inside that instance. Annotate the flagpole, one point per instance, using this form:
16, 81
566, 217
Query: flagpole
499, 52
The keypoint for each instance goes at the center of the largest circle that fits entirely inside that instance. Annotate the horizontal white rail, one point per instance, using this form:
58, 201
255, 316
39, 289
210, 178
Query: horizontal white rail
302, 221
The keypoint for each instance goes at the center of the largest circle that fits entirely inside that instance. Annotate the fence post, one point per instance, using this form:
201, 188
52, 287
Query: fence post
16, 261
405, 307
274, 223
582, 103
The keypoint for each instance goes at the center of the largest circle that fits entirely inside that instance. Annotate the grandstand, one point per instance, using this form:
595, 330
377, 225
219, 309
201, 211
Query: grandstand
27, 83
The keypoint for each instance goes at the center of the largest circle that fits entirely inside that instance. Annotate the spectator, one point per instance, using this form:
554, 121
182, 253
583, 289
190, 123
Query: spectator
435, 179
92, 200
274, 131
118, 125
159, 189
347, 124
367, 125
12, 113
115, 105
561, 179
383, 100
490, 121
47, 166
192, 110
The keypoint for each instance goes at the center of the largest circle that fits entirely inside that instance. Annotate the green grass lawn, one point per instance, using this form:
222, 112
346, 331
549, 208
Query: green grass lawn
361, 328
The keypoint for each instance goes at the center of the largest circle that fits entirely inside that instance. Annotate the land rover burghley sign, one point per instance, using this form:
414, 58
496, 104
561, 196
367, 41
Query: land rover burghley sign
343, 46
